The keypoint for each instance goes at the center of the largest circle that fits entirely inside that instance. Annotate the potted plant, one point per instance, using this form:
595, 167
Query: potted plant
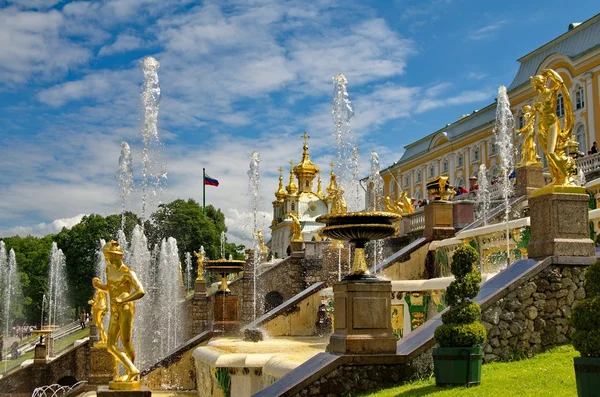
585, 317
457, 360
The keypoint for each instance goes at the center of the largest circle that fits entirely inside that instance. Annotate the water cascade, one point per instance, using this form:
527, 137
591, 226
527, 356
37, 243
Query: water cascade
254, 193
153, 172
482, 199
125, 175
504, 140
57, 286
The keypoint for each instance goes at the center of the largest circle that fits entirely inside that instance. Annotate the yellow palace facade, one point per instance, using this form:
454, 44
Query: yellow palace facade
458, 149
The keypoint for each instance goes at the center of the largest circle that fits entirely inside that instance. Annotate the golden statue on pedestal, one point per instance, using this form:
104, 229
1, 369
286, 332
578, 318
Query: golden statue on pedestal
528, 148
99, 308
556, 141
200, 262
261, 242
123, 288
296, 229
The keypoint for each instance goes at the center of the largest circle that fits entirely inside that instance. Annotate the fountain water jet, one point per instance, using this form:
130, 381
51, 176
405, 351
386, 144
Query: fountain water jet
482, 199
504, 140
374, 202
254, 193
125, 175
57, 286
11, 283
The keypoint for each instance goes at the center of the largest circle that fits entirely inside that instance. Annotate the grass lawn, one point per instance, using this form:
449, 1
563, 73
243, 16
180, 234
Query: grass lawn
58, 346
547, 374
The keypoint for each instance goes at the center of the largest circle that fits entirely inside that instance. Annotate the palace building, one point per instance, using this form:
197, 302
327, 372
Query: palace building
458, 149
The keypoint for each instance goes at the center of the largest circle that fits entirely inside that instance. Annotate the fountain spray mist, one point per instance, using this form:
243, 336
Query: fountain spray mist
57, 286
375, 192
153, 172
504, 127
125, 175
254, 193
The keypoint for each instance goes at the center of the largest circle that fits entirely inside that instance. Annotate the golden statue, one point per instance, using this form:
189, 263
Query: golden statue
261, 242
200, 262
555, 140
99, 308
393, 206
296, 229
528, 148
123, 288
439, 187
407, 203
338, 205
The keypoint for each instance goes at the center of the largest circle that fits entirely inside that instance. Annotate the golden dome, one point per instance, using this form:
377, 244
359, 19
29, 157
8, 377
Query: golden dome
291, 187
280, 193
306, 167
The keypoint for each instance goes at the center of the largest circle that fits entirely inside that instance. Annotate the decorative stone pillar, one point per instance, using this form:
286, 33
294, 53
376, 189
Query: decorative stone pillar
40, 355
362, 318
102, 365
463, 214
439, 220
559, 227
199, 309
529, 178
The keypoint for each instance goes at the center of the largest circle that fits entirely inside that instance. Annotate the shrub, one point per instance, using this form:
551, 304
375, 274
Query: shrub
461, 326
585, 316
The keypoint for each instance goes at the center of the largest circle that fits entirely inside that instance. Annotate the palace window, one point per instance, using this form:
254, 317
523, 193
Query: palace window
406, 181
460, 182
431, 171
560, 106
392, 187
476, 155
445, 167
418, 176
521, 121
579, 99
493, 147
460, 160
581, 138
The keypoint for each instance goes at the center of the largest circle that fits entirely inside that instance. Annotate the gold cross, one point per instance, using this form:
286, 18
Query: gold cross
332, 164
305, 136
291, 163
280, 170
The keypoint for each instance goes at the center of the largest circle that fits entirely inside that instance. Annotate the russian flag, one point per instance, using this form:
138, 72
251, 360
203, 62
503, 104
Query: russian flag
210, 181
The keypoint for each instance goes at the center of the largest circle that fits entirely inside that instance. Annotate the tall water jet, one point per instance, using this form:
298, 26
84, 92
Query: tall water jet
100, 270
482, 199
254, 193
153, 172
57, 286
342, 112
222, 244
375, 192
188, 273
144, 333
125, 175
504, 140
169, 300
12, 288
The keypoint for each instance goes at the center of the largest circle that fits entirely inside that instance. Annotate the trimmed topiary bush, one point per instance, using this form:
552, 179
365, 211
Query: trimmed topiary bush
585, 316
461, 326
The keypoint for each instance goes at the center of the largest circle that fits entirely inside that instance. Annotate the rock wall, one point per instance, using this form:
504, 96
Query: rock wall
534, 316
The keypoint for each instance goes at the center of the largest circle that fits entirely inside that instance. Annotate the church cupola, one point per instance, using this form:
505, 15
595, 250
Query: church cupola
291, 187
306, 170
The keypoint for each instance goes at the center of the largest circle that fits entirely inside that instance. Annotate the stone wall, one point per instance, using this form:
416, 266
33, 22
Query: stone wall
534, 316
74, 363
199, 309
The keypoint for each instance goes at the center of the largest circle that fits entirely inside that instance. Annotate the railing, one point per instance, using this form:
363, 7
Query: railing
588, 163
417, 220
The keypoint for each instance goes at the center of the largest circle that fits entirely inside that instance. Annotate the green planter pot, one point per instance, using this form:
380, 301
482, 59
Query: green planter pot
457, 365
587, 375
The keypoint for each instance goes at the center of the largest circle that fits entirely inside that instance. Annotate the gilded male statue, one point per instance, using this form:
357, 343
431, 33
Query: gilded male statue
296, 228
200, 263
99, 308
124, 289
528, 148
555, 140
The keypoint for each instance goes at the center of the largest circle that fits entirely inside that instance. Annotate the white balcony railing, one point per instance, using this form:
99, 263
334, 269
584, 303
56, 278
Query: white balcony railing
588, 163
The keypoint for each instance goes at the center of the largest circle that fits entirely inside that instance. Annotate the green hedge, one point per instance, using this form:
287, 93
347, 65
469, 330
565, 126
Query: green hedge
461, 326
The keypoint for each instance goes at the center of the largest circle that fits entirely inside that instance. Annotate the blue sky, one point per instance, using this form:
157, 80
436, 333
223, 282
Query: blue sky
235, 77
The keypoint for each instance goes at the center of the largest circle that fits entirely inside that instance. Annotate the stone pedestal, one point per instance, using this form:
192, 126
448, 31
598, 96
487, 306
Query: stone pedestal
463, 214
529, 178
104, 391
200, 287
297, 248
362, 318
40, 355
199, 310
102, 365
226, 313
94, 333
439, 220
559, 226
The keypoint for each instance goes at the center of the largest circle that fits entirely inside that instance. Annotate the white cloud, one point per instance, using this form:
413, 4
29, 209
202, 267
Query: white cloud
486, 32
42, 229
123, 43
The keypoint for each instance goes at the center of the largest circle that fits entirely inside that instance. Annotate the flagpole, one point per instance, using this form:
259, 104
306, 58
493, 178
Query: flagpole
203, 191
